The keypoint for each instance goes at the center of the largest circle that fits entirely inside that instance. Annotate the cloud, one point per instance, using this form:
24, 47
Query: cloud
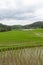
23, 10
15, 22
39, 12
38, 15
15, 4
6, 4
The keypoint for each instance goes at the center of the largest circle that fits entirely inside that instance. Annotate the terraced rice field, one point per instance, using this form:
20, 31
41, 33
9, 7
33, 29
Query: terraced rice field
21, 47
26, 56
21, 38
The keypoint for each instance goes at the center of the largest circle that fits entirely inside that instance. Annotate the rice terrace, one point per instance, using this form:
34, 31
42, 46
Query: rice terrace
21, 32
21, 38
21, 47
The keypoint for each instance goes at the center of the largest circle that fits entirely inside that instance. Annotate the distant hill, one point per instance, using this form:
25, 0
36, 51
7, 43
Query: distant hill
4, 28
16, 27
38, 24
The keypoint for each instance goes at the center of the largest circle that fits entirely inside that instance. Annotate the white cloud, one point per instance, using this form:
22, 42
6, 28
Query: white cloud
21, 11
15, 22
6, 4
15, 4
38, 14
24, 14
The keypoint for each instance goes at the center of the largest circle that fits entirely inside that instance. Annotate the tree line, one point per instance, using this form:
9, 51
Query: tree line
38, 24
4, 28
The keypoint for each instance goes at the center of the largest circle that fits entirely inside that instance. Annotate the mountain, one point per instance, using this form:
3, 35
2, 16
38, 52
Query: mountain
38, 24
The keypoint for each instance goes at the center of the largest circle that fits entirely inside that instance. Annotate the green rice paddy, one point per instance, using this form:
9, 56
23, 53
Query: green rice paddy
21, 38
21, 47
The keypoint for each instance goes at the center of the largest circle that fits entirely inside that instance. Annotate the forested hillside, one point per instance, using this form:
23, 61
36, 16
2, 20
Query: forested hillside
38, 24
4, 28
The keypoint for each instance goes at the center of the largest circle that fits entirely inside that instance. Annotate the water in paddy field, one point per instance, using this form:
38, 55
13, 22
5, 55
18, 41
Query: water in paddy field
26, 56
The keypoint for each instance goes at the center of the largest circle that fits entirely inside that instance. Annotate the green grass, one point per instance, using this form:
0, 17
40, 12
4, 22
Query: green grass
20, 38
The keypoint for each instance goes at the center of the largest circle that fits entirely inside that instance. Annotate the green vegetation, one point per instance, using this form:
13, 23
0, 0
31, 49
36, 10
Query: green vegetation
21, 38
4, 28
38, 24
21, 45
26, 56
35, 25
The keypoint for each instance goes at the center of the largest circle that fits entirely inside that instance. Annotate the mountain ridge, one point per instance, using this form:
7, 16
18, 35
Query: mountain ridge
38, 24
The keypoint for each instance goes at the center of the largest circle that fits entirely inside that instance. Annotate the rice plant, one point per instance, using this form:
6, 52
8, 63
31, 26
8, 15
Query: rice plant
26, 56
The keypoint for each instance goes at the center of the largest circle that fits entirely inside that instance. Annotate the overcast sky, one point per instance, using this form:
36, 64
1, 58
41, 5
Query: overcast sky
13, 12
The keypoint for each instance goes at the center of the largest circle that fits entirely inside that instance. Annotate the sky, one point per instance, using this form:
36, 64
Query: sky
20, 12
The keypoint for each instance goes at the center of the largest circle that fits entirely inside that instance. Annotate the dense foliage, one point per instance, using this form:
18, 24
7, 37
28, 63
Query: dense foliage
38, 24
31, 26
4, 28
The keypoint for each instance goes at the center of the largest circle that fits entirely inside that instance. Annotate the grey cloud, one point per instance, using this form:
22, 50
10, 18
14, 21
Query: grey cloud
15, 14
